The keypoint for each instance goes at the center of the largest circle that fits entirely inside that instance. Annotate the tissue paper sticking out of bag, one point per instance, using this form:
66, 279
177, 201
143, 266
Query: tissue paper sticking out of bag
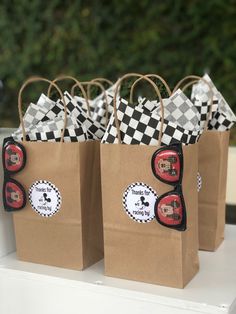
222, 118
178, 109
140, 126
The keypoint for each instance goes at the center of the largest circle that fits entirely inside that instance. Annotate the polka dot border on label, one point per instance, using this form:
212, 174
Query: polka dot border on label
54, 188
199, 182
124, 201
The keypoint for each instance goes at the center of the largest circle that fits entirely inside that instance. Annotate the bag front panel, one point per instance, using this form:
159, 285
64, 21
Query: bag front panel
147, 251
57, 239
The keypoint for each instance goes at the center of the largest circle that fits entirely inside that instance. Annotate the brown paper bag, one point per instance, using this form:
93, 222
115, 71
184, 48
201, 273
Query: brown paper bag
70, 172
213, 159
147, 252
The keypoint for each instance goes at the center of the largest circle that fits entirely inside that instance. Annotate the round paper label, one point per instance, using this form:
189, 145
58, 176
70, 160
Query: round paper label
45, 198
139, 200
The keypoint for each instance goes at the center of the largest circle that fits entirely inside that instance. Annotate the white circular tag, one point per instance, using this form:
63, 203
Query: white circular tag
139, 200
45, 198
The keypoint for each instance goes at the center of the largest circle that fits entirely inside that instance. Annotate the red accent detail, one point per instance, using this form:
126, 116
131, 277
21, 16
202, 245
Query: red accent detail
13, 157
14, 195
167, 165
170, 210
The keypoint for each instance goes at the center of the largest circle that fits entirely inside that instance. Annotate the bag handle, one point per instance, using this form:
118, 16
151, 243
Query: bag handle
102, 79
97, 80
195, 79
33, 80
149, 76
89, 83
69, 77
118, 85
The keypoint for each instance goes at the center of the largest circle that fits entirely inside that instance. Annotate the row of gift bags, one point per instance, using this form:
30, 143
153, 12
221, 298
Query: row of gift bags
84, 198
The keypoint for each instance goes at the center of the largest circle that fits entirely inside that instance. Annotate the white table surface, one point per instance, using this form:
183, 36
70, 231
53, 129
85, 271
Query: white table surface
27, 288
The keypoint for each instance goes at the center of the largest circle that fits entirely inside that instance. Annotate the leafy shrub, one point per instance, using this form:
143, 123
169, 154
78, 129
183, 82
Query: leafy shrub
108, 38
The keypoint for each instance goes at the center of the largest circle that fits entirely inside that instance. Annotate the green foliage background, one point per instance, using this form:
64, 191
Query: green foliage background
108, 38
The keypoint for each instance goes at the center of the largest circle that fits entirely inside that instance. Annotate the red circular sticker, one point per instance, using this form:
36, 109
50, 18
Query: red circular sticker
14, 195
170, 210
167, 165
13, 157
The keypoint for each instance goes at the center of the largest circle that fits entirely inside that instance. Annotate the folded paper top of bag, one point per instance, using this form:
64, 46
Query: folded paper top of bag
104, 104
94, 129
141, 126
43, 128
51, 119
35, 112
178, 109
103, 107
99, 105
82, 103
71, 135
222, 118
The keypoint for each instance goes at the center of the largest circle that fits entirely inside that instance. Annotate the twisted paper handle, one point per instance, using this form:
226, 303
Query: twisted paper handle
33, 80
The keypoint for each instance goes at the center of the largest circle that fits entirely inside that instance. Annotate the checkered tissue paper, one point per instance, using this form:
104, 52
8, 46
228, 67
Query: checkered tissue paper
222, 118
139, 125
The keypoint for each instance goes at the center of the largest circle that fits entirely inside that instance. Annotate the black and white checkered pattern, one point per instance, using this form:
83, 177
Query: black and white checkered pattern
59, 200
101, 107
98, 106
47, 126
83, 104
56, 124
138, 126
95, 130
222, 118
201, 95
71, 135
177, 109
35, 112
125, 205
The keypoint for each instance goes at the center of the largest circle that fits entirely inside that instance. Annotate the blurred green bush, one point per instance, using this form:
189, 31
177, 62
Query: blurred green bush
108, 38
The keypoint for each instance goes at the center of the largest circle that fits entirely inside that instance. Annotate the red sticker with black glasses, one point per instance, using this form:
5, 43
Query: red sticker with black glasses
166, 165
13, 160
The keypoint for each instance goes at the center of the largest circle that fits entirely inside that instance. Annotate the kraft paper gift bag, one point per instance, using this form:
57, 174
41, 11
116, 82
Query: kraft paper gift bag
136, 245
213, 158
61, 223
216, 119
